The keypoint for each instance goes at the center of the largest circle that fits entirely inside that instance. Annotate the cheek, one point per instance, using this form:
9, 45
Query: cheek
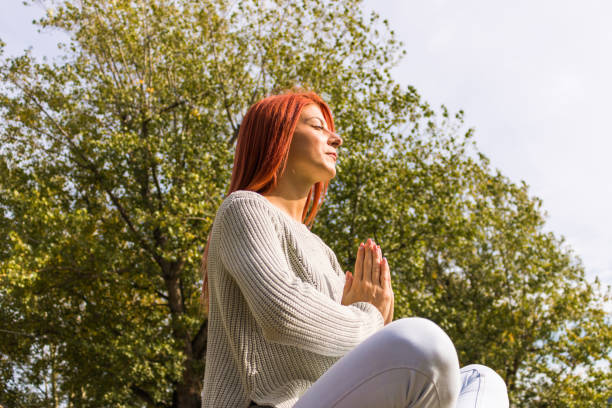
303, 147
296, 151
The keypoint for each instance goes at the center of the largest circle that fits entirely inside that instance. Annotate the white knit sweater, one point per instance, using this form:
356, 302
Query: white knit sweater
275, 319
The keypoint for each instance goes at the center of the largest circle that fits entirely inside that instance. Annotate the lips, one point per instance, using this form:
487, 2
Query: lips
334, 155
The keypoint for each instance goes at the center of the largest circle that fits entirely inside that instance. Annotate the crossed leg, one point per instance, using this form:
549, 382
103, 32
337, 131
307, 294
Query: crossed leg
409, 363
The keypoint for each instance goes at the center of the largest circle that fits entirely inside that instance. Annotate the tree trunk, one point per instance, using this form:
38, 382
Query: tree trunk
187, 392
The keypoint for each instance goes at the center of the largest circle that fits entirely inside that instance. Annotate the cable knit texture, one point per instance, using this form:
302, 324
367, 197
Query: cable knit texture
275, 319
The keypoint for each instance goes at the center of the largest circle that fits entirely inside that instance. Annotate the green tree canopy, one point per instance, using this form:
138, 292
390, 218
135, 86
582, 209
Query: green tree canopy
115, 157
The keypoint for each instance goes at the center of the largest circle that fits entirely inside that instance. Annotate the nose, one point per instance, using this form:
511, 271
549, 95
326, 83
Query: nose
336, 140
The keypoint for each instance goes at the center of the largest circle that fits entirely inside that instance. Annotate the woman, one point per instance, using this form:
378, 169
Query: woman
287, 327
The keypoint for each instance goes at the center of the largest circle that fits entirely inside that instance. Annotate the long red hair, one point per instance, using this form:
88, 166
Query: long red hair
262, 150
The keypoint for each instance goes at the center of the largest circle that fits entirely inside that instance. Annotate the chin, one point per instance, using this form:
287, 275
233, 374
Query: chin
325, 174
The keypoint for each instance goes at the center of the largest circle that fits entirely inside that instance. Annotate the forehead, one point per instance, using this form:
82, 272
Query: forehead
312, 111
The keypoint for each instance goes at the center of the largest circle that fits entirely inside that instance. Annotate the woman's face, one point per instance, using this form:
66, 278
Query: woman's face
312, 154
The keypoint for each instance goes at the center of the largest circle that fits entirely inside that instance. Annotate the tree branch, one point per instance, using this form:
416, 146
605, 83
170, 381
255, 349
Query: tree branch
223, 92
146, 397
90, 166
199, 342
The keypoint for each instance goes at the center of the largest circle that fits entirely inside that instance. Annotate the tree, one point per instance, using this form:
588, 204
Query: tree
115, 157
114, 161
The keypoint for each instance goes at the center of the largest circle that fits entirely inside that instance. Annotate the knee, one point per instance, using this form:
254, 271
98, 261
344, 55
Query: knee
433, 350
423, 346
494, 382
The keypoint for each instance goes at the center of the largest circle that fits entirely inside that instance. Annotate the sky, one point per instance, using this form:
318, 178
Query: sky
533, 78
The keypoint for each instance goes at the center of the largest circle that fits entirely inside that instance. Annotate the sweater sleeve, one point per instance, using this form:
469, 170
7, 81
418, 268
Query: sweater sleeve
289, 310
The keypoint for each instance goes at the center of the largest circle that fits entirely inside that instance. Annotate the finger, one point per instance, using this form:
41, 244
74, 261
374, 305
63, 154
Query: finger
385, 274
368, 260
359, 262
380, 259
376, 266
347, 283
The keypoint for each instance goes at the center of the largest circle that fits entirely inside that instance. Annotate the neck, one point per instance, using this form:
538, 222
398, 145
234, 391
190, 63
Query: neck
290, 198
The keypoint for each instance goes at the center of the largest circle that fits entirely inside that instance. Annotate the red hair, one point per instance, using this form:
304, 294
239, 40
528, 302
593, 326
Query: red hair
262, 150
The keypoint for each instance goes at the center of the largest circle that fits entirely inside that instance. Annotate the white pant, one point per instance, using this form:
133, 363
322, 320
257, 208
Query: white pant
409, 363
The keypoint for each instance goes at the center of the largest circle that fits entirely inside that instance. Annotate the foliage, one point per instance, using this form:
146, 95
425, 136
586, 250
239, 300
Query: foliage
115, 157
